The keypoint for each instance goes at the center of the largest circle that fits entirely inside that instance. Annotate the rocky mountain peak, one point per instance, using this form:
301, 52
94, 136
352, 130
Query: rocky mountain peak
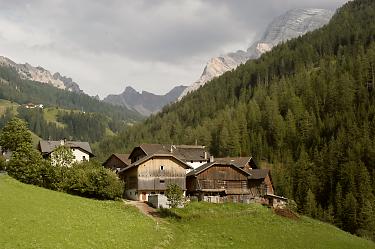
29, 72
145, 103
293, 23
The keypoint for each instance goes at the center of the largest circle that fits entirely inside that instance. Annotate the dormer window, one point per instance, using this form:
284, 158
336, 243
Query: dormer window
161, 167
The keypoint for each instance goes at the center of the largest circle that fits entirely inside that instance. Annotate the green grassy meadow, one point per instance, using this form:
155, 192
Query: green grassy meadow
33, 217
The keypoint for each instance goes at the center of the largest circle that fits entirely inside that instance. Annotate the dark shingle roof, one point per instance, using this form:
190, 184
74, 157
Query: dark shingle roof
258, 173
239, 161
123, 158
48, 146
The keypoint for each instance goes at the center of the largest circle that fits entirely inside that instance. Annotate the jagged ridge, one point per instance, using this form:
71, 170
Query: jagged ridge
292, 24
28, 72
145, 103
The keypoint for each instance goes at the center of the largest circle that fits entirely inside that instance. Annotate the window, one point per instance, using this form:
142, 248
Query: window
161, 167
162, 181
152, 193
84, 158
162, 193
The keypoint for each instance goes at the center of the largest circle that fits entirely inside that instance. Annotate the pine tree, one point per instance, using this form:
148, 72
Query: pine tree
350, 221
310, 207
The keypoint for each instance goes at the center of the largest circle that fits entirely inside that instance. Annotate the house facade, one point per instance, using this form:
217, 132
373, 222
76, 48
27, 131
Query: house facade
231, 180
81, 150
152, 174
219, 181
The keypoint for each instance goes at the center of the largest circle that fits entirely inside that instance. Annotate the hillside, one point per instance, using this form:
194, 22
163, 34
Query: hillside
23, 91
75, 116
145, 103
56, 220
307, 107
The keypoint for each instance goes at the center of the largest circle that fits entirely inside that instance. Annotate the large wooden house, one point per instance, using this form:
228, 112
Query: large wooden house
217, 181
152, 174
230, 179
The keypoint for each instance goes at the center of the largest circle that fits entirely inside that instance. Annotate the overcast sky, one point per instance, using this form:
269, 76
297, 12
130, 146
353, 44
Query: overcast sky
150, 45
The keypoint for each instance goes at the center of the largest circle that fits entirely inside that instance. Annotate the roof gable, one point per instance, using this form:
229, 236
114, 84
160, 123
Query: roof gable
183, 152
239, 161
147, 158
206, 166
124, 158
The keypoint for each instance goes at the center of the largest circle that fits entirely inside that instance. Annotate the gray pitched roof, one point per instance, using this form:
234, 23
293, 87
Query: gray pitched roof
239, 161
183, 152
47, 147
124, 158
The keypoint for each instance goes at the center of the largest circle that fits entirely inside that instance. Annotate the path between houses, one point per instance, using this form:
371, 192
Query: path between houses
144, 208
153, 214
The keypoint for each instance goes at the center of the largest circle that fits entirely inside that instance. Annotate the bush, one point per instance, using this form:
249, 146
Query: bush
174, 194
89, 179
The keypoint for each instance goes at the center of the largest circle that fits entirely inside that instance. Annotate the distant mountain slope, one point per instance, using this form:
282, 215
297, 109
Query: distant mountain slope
28, 72
145, 103
292, 24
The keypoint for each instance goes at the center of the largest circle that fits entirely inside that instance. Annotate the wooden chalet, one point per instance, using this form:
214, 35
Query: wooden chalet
116, 162
219, 181
152, 174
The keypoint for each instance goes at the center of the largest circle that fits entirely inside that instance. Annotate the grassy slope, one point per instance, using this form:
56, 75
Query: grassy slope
205, 225
32, 217
4, 104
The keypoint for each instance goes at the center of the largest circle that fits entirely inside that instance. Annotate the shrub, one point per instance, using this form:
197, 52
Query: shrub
174, 194
89, 179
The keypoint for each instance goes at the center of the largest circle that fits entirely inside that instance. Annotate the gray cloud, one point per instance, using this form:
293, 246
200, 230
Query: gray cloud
151, 45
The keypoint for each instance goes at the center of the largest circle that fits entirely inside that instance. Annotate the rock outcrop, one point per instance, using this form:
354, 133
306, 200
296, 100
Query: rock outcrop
28, 72
292, 24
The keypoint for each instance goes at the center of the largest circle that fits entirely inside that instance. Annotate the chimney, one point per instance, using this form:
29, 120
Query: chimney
171, 148
205, 155
212, 159
62, 142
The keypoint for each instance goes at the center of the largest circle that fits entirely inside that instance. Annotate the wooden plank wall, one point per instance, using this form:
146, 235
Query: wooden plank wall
151, 177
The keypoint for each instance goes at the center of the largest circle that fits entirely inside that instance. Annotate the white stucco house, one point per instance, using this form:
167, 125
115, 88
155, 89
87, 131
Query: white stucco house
81, 150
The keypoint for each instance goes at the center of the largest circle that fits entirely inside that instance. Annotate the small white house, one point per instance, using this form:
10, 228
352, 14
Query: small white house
81, 150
